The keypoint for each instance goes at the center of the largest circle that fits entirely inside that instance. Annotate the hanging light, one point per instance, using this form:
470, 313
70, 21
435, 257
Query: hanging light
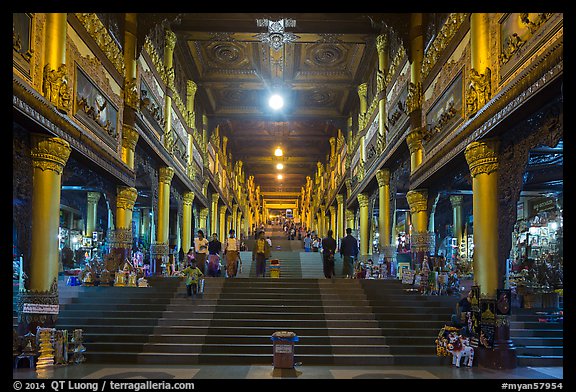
278, 152
279, 166
280, 176
276, 101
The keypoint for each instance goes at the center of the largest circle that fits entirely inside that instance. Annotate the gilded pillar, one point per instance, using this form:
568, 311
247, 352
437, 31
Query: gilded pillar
364, 231
340, 224
479, 91
482, 160
55, 84
191, 89
188, 199
414, 141
239, 225
214, 216
349, 220
159, 249
419, 238
323, 219
131, 100
168, 65
121, 240
414, 98
229, 221
222, 224
362, 89
49, 156
456, 201
234, 223
92, 199
383, 178
332, 141
382, 48
332, 220
203, 224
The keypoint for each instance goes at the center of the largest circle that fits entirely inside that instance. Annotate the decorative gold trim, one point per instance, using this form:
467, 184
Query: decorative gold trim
349, 215
130, 137
383, 177
381, 42
482, 156
188, 198
414, 141
165, 174
479, 91
339, 198
204, 213
131, 97
396, 62
55, 87
417, 200
414, 98
49, 153
100, 34
447, 32
362, 199
170, 40
126, 197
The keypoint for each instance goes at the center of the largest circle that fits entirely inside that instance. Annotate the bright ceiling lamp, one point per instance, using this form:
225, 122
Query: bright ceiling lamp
280, 176
276, 102
279, 166
278, 152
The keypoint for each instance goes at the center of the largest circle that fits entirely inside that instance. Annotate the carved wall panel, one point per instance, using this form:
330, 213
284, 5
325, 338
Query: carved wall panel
446, 113
22, 43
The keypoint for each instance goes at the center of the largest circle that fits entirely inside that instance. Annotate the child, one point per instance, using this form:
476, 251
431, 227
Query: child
192, 274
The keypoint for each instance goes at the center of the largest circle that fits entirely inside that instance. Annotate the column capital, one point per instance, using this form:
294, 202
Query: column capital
130, 137
340, 198
332, 141
349, 123
126, 197
332, 210
482, 156
191, 87
381, 42
362, 89
49, 153
362, 199
170, 40
188, 198
93, 197
235, 208
165, 174
204, 213
414, 141
414, 98
222, 209
417, 200
383, 177
456, 200
349, 214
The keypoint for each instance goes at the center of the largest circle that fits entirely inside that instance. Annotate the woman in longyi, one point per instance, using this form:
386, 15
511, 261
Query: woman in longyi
232, 254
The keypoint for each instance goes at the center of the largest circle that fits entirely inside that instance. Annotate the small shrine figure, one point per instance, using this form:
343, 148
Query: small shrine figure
61, 347
87, 276
132, 279
120, 279
29, 344
142, 282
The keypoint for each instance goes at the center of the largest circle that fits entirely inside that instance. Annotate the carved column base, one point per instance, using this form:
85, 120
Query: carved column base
159, 251
28, 321
389, 252
503, 354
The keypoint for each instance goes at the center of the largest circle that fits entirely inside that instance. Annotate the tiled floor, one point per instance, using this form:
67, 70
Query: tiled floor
93, 371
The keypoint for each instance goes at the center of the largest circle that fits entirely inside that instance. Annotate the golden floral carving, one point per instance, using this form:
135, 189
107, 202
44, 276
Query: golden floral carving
383, 177
447, 32
362, 200
482, 156
170, 40
417, 200
414, 141
188, 198
129, 137
203, 213
380, 144
513, 44
55, 87
155, 57
100, 34
339, 198
381, 42
165, 174
414, 98
131, 94
49, 153
396, 62
126, 197
479, 91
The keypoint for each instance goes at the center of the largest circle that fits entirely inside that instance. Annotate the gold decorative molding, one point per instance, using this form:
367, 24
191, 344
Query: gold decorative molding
130, 137
55, 87
482, 156
362, 90
339, 198
380, 144
447, 32
188, 198
417, 200
170, 40
456, 200
215, 197
348, 183
362, 199
205, 187
100, 34
349, 215
222, 210
126, 197
414, 98
165, 174
479, 91
396, 62
383, 177
204, 213
155, 57
381, 42
131, 94
49, 153
414, 141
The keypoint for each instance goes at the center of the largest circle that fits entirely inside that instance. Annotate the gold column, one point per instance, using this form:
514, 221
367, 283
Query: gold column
414, 141
165, 178
125, 199
129, 139
383, 178
340, 225
362, 89
91, 212
214, 216
234, 224
456, 201
222, 224
188, 199
349, 220
414, 98
419, 237
482, 158
479, 90
168, 65
332, 220
203, 223
382, 48
323, 220
239, 220
191, 89
131, 100
49, 156
229, 221
332, 142
55, 84
364, 235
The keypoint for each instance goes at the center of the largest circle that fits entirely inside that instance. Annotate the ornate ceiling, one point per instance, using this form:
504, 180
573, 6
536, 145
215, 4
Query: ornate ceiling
320, 61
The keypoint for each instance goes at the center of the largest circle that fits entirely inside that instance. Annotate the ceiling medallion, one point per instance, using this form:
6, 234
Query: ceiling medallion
276, 37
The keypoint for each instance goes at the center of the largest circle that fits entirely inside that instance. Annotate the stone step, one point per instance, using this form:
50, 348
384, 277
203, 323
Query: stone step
539, 350
540, 361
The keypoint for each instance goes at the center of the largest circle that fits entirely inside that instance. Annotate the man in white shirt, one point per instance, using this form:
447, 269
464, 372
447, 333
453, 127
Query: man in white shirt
200, 250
